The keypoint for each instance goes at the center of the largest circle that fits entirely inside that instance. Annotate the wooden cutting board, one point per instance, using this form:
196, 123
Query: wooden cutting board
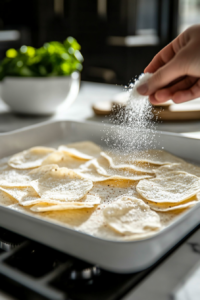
168, 111
179, 112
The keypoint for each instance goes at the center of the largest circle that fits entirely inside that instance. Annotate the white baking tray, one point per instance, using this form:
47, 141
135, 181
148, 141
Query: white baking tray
117, 256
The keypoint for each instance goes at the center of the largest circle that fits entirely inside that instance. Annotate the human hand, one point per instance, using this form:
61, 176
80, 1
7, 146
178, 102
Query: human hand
176, 70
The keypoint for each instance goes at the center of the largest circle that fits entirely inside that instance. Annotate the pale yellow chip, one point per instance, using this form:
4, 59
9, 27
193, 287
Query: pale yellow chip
13, 177
156, 157
88, 199
26, 196
62, 159
30, 158
102, 167
28, 202
185, 167
41, 171
131, 216
21, 194
5, 199
87, 202
62, 184
178, 187
175, 207
85, 150
89, 172
140, 160
123, 161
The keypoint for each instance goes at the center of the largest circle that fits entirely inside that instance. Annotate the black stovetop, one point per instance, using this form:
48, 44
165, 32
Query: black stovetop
29, 270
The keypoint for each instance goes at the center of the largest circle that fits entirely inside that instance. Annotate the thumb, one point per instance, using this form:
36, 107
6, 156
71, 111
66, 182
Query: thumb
174, 69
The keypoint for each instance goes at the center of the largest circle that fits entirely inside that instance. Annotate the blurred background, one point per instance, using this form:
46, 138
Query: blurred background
118, 37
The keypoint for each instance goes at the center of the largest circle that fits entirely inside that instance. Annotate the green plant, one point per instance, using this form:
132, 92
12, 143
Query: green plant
53, 59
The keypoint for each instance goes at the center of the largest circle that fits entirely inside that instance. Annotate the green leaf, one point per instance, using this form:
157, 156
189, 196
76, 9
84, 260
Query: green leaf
53, 59
11, 53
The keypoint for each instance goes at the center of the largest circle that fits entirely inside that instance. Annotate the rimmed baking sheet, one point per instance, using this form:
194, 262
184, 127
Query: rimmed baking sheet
117, 256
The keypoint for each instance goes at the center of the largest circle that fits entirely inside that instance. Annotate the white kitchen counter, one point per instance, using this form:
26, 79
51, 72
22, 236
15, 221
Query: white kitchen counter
81, 109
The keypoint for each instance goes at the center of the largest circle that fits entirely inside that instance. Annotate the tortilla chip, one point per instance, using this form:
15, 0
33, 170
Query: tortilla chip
6, 200
62, 184
87, 202
102, 167
89, 171
130, 216
84, 150
13, 177
62, 159
30, 158
184, 167
123, 161
175, 207
41, 171
178, 187
157, 157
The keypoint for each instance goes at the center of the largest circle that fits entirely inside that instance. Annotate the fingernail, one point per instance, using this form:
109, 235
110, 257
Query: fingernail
142, 89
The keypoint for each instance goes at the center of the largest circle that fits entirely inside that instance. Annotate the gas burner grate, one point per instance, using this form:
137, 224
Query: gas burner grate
34, 271
36, 260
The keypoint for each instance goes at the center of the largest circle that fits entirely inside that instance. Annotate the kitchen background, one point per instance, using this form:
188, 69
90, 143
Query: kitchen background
118, 37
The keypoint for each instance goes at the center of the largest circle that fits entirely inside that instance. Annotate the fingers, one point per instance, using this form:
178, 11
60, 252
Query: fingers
174, 69
189, 94
181, 95
153, 100
165, 94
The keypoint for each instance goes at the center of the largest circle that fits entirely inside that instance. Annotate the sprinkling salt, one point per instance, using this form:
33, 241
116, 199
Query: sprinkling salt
132, 126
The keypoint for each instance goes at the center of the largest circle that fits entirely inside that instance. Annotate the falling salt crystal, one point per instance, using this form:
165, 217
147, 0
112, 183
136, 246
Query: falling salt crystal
132, 126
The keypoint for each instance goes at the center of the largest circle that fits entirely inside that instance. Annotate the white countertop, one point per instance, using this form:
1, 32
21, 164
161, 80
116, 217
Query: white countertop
81, 110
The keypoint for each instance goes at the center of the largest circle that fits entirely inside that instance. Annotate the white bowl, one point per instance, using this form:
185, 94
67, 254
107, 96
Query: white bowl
34, 95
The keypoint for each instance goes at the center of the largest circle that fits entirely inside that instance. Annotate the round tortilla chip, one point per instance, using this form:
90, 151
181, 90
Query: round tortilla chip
178, 187
30, 158
102, 167
131, 216
5, 199
62, 184
88, 201
13, 177
84, 150
62, 159
175, 207
123, 161
156, 157
184, 167
21, 194
66, 206
41, 171
26, 196
89, 171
